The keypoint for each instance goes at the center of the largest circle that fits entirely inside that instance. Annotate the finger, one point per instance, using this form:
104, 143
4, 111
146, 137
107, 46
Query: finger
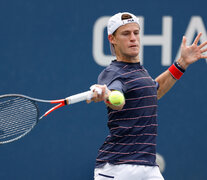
203, 56
203, 50
184, 41
103, 93
98, 97
99, 91
203, 44
95, 96
197, 38
88, 101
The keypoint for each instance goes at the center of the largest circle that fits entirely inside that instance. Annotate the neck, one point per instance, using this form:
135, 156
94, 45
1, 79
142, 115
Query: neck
128, 59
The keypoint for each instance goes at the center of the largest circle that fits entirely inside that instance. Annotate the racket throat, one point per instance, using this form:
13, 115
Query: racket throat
53, 109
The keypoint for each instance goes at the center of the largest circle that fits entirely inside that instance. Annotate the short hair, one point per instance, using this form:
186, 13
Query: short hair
125, 16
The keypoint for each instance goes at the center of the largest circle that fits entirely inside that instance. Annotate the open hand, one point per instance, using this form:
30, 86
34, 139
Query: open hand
191, 54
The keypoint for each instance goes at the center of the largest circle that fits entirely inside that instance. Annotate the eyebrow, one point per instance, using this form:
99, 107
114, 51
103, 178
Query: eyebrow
124, 31
138, 29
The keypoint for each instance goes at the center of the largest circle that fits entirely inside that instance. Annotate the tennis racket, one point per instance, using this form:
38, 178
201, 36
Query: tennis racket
19, 113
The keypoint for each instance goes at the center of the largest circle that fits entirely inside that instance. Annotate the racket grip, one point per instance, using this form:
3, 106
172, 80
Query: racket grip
79, 97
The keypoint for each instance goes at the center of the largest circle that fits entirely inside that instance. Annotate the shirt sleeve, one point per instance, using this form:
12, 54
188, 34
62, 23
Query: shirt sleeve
112, 80
116, 85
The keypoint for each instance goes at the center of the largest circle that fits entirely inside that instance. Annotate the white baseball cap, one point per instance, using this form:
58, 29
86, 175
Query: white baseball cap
116, 21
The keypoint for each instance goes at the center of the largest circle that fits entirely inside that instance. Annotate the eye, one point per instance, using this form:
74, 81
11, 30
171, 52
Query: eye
125, 33
136, 32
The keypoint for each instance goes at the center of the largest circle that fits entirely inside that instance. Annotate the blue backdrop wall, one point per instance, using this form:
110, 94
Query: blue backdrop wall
51, 49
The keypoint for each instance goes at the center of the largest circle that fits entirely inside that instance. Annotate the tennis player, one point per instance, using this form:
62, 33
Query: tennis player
129, 152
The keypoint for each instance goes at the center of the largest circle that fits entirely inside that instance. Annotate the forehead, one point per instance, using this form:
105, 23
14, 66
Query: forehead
129, 27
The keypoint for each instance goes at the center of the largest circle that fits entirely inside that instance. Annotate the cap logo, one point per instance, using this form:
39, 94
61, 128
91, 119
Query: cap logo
130, 20
126, 21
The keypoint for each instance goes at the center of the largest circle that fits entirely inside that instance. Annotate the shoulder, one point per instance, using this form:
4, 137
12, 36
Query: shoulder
109, 74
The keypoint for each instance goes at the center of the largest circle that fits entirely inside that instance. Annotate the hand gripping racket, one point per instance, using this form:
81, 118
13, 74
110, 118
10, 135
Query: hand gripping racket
19, 113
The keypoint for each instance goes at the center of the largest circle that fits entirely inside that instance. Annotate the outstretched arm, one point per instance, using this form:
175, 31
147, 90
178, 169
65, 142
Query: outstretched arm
189, 55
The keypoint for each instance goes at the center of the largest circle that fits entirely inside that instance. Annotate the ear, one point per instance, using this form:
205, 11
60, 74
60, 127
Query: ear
111, 38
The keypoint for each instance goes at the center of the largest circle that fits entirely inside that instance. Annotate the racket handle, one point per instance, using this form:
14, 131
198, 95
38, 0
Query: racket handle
79, 97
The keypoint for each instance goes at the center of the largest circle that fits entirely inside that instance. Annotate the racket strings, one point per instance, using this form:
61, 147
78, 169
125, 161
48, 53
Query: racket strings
7, 113
14, 129
17, 117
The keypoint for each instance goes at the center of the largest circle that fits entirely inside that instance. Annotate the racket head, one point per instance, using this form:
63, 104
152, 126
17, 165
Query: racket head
18, 116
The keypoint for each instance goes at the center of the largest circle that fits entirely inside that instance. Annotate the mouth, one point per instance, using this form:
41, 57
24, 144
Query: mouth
133, 46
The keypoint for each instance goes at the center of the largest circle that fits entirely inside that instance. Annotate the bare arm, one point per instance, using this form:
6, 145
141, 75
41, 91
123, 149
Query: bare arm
189, 55
166, 82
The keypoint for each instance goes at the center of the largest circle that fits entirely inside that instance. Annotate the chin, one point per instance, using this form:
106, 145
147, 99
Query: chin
134, 54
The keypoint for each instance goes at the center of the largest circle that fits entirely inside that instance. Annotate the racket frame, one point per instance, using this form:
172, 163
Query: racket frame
61, 102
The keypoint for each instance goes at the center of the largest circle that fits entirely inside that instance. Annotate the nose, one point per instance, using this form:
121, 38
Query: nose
132, 37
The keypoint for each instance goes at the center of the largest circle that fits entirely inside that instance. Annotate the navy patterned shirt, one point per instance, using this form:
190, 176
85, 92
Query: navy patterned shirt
133, 129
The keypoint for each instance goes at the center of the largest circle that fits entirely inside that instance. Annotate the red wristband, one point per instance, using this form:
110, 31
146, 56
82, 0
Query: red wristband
175, 72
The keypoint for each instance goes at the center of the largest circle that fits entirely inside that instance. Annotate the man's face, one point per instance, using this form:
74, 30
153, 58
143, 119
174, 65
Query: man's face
126, 41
